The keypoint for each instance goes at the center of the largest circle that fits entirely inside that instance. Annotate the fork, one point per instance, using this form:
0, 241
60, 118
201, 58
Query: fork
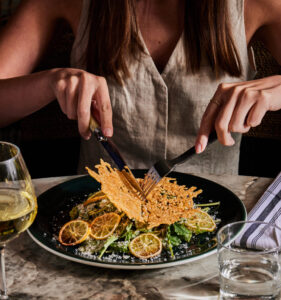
164, 166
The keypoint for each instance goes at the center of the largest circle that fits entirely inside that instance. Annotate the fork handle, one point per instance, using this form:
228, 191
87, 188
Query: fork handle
190, 152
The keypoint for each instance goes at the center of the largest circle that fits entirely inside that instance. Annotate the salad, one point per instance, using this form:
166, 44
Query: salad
116, 220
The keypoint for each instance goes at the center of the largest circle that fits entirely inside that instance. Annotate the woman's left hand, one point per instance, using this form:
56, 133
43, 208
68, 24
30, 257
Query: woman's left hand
236, 107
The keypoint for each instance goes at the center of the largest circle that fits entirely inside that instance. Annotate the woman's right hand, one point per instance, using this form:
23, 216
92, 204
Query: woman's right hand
81, 94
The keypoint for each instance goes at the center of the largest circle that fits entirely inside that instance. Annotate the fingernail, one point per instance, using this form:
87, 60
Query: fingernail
203, 144
107, 132
87, 137
230, 142
199, 148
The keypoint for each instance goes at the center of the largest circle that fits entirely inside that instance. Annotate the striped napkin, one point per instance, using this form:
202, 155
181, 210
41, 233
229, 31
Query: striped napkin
267, 209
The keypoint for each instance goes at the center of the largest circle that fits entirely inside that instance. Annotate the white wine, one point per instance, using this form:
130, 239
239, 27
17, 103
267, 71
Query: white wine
17, 212
18, 203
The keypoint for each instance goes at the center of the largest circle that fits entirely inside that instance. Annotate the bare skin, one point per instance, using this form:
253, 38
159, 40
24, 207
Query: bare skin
161, 27
242, 105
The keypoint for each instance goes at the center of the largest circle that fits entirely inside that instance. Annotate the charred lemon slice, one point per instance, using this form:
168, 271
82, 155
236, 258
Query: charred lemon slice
103, 226
145, 246
199, 220
74, 232
95, 197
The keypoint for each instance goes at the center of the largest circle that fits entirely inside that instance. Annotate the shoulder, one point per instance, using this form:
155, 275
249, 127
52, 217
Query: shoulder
266, 10
68, 10
259, 13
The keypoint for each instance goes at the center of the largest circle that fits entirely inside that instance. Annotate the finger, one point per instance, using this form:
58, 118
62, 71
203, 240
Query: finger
72, 93
221, 124
206, 126
239, 117
86, 90
256, 114
60, 90
208, 119
95, 111
104, 106
224, 116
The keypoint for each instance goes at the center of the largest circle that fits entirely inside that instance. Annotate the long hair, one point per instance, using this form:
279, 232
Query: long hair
114, 38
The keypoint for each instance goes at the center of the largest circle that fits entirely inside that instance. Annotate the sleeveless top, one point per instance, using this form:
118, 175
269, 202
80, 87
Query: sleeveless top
157, 116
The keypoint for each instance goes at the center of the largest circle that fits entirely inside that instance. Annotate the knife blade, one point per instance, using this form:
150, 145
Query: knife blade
108, 145
114, 153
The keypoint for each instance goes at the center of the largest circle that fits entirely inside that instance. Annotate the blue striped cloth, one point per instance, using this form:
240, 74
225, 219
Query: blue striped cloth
267, 209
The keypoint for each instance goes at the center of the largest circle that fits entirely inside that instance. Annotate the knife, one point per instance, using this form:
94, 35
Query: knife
108, 145
114, 153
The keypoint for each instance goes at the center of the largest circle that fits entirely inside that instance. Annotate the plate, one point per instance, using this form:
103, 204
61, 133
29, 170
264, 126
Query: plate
55, 204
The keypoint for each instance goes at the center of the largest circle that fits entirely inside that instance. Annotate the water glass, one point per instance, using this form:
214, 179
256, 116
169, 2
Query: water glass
248, 272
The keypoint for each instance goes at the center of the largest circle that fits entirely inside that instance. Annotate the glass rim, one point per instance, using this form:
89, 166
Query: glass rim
13, 157
250, 251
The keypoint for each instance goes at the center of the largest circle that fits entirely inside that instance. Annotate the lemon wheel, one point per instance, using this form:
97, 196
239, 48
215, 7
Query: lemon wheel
103, 226
145, 246
74, 232
199, 220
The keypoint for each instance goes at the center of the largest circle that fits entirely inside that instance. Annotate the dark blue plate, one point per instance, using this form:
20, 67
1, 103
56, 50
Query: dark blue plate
55, 204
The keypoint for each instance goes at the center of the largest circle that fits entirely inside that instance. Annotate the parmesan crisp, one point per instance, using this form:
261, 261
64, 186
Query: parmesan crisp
118, 190
167, 203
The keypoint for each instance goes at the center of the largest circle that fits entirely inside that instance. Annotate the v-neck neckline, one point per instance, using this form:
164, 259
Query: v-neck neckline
167, 66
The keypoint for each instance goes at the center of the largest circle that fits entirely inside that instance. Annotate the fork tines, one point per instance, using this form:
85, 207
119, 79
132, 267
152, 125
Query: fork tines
150, 181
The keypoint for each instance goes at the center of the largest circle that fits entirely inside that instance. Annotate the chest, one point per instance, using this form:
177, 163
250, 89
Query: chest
160, 28
160, 45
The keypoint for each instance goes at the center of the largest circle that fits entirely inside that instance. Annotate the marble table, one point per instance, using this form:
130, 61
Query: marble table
33, 273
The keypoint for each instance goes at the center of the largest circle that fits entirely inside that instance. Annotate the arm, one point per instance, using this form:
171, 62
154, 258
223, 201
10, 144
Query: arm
22, 43
23, 95
26, 36
236, 107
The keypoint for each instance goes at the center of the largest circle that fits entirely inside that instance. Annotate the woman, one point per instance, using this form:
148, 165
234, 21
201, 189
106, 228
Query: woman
157, 64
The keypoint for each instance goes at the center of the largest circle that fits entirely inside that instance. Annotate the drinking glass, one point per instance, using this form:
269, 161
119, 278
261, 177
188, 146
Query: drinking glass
18, 203
248, 272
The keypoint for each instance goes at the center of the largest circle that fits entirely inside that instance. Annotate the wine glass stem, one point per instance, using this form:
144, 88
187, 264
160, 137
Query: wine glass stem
3, 294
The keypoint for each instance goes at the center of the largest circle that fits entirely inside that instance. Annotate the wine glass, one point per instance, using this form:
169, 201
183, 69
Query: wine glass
18, 203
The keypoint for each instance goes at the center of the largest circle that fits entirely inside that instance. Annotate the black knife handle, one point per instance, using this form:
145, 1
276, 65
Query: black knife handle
189, 153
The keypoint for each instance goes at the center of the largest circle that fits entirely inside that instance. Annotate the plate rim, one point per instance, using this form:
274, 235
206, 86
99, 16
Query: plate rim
138, 266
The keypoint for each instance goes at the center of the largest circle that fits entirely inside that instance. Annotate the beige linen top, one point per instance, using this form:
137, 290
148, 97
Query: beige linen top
157, 116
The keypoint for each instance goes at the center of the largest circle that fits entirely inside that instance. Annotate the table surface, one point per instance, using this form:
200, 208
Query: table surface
34, 273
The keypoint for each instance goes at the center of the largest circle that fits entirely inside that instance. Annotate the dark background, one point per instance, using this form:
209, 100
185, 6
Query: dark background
50, 142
